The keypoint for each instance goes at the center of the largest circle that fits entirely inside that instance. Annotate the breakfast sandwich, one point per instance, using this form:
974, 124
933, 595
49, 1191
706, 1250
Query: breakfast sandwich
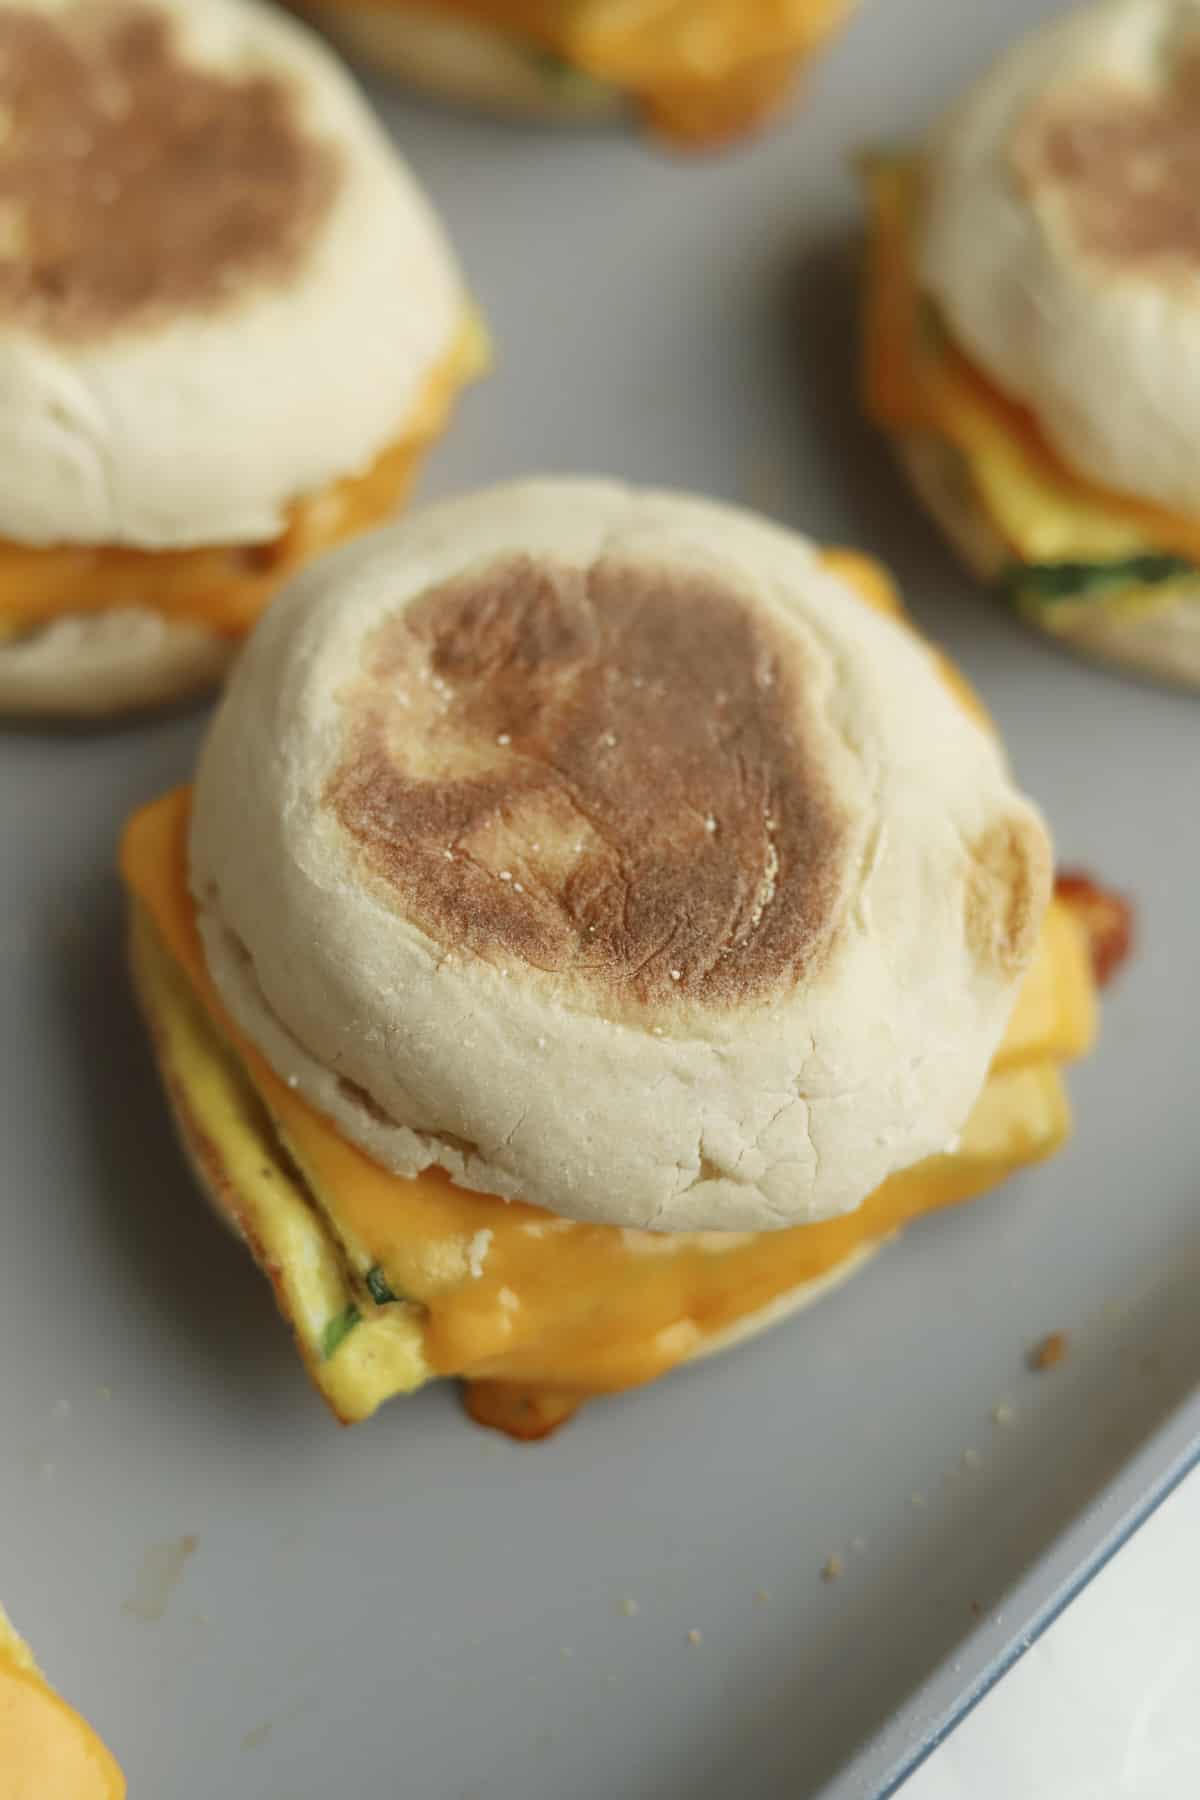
699, 71
598, 923
1033, 328
229, 325
47, 1752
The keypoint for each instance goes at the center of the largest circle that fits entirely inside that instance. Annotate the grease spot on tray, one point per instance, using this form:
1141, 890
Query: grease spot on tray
159, 1576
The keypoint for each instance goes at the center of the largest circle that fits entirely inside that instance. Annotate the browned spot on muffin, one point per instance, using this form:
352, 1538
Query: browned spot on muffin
135, 185
610, 772
1008, 886
1124, 163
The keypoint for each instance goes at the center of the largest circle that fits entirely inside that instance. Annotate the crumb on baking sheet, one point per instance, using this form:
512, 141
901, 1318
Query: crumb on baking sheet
1049, 1352
629, 1607
1003, 1413
834, 1566
694, 1636
972, 1459
761, 1597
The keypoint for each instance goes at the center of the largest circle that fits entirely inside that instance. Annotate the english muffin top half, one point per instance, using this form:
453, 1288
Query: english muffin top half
602, 848
205, 237
229, 319
1061, 241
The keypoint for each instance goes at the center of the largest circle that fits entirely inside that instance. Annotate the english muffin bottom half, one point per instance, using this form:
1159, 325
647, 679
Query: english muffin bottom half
47, 1752
700, 72
598, 923
1033, 329
229, 325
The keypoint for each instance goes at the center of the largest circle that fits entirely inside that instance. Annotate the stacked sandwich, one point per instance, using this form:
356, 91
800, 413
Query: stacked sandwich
598, 923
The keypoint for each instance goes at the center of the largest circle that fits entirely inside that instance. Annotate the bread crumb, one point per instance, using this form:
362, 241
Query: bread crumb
695, 1637
566, 1651
1049, 1353
630, 1607
972, 1459
761, 1597
1003, 1414
834, 1567
919, 1501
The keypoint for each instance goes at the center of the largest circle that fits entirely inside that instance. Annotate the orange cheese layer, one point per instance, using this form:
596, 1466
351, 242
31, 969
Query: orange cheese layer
228, 587
704, 69
917, 380
47, 1752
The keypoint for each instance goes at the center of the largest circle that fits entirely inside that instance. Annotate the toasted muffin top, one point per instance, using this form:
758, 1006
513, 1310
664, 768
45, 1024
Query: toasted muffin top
604, 848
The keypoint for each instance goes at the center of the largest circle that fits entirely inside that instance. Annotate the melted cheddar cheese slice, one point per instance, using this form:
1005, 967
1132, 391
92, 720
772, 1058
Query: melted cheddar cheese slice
227, 588
47, 1752
389, 1282
704, 70
917, 381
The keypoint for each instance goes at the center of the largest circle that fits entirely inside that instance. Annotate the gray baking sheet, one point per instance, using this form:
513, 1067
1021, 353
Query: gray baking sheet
252, 1602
